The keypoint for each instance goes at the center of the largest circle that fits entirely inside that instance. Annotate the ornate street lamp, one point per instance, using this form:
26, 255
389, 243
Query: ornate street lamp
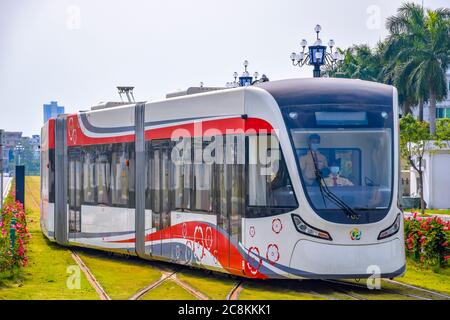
317, 54
245, 79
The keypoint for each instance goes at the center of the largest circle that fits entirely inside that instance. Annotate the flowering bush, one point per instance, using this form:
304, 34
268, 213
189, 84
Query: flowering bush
427, 240
13, 235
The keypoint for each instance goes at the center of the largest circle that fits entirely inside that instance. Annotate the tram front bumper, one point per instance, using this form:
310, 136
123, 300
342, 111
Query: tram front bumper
318, 260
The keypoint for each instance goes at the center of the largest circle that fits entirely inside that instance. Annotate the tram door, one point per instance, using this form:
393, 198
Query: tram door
237, 197
158, 179
230, 186
74, 194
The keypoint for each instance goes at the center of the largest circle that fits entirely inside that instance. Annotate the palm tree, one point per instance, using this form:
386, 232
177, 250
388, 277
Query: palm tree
419, 49
360, 62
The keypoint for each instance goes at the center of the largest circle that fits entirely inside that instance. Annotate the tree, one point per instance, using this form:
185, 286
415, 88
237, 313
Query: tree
360, 62
419, 49
414, 140
443, 130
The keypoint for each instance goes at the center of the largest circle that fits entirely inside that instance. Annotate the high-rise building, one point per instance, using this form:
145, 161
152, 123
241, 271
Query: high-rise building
52, 110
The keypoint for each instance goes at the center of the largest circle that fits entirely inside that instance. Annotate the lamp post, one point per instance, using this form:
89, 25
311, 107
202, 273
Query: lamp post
317, 54
245, 79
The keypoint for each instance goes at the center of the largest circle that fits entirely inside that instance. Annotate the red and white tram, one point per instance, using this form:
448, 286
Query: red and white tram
285, 179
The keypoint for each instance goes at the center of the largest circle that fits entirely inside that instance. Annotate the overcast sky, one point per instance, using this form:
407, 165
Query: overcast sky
76, 52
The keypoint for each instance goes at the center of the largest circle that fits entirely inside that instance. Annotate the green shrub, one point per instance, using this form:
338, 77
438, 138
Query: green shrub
427, 240
14, 235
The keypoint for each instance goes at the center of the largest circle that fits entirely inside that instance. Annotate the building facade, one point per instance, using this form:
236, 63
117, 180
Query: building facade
52, 110
435, 177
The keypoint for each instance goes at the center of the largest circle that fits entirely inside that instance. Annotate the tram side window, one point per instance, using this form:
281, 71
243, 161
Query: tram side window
269, 185
88, 176
51, 173
120, 164
202, 176
181, 174
103, 173
158, 153
131, 174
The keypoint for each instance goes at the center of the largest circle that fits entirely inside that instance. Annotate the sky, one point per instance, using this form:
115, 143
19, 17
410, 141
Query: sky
77, 52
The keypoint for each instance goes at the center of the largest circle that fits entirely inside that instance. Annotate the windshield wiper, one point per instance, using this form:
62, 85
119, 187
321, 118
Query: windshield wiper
326, 192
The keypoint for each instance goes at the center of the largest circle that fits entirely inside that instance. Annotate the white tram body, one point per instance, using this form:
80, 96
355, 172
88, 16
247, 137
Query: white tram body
110, 180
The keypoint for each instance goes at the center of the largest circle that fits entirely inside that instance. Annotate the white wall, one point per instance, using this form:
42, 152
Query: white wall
437, 177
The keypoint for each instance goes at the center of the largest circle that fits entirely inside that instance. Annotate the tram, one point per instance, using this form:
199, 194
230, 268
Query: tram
288, 179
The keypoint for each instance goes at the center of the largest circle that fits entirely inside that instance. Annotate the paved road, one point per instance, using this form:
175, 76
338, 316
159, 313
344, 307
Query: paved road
6, 184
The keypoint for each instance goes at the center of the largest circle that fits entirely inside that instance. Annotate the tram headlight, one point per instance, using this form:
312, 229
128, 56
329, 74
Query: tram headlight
305, 228
393, 229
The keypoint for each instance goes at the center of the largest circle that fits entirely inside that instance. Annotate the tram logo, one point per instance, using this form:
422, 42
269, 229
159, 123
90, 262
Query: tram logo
273, 253
277, 226
208, 238
355, 234
72, 131
254, 264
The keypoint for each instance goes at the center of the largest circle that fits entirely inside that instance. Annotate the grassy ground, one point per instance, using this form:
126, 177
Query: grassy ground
215, 286
120, 278
431, 211
168, 290
436, 280
270, 290
46, 275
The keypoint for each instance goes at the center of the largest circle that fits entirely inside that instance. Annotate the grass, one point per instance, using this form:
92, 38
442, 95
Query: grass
430, 211
276, 290
46, 275
168, 290
214, 286
437, 279
120, 278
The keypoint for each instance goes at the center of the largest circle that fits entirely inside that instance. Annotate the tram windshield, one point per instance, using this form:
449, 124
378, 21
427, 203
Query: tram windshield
345, 160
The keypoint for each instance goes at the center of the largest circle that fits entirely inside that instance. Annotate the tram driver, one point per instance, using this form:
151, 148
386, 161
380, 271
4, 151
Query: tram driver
313, 160
334, 179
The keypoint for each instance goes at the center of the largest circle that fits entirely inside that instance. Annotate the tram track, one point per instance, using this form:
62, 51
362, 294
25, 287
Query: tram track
33, 199
362, 287
164, 277
441, 295
342, 291
170, 274
90, 277
235, 291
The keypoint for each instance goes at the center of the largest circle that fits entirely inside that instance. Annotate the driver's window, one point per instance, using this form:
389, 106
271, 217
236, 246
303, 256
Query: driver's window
269, 184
